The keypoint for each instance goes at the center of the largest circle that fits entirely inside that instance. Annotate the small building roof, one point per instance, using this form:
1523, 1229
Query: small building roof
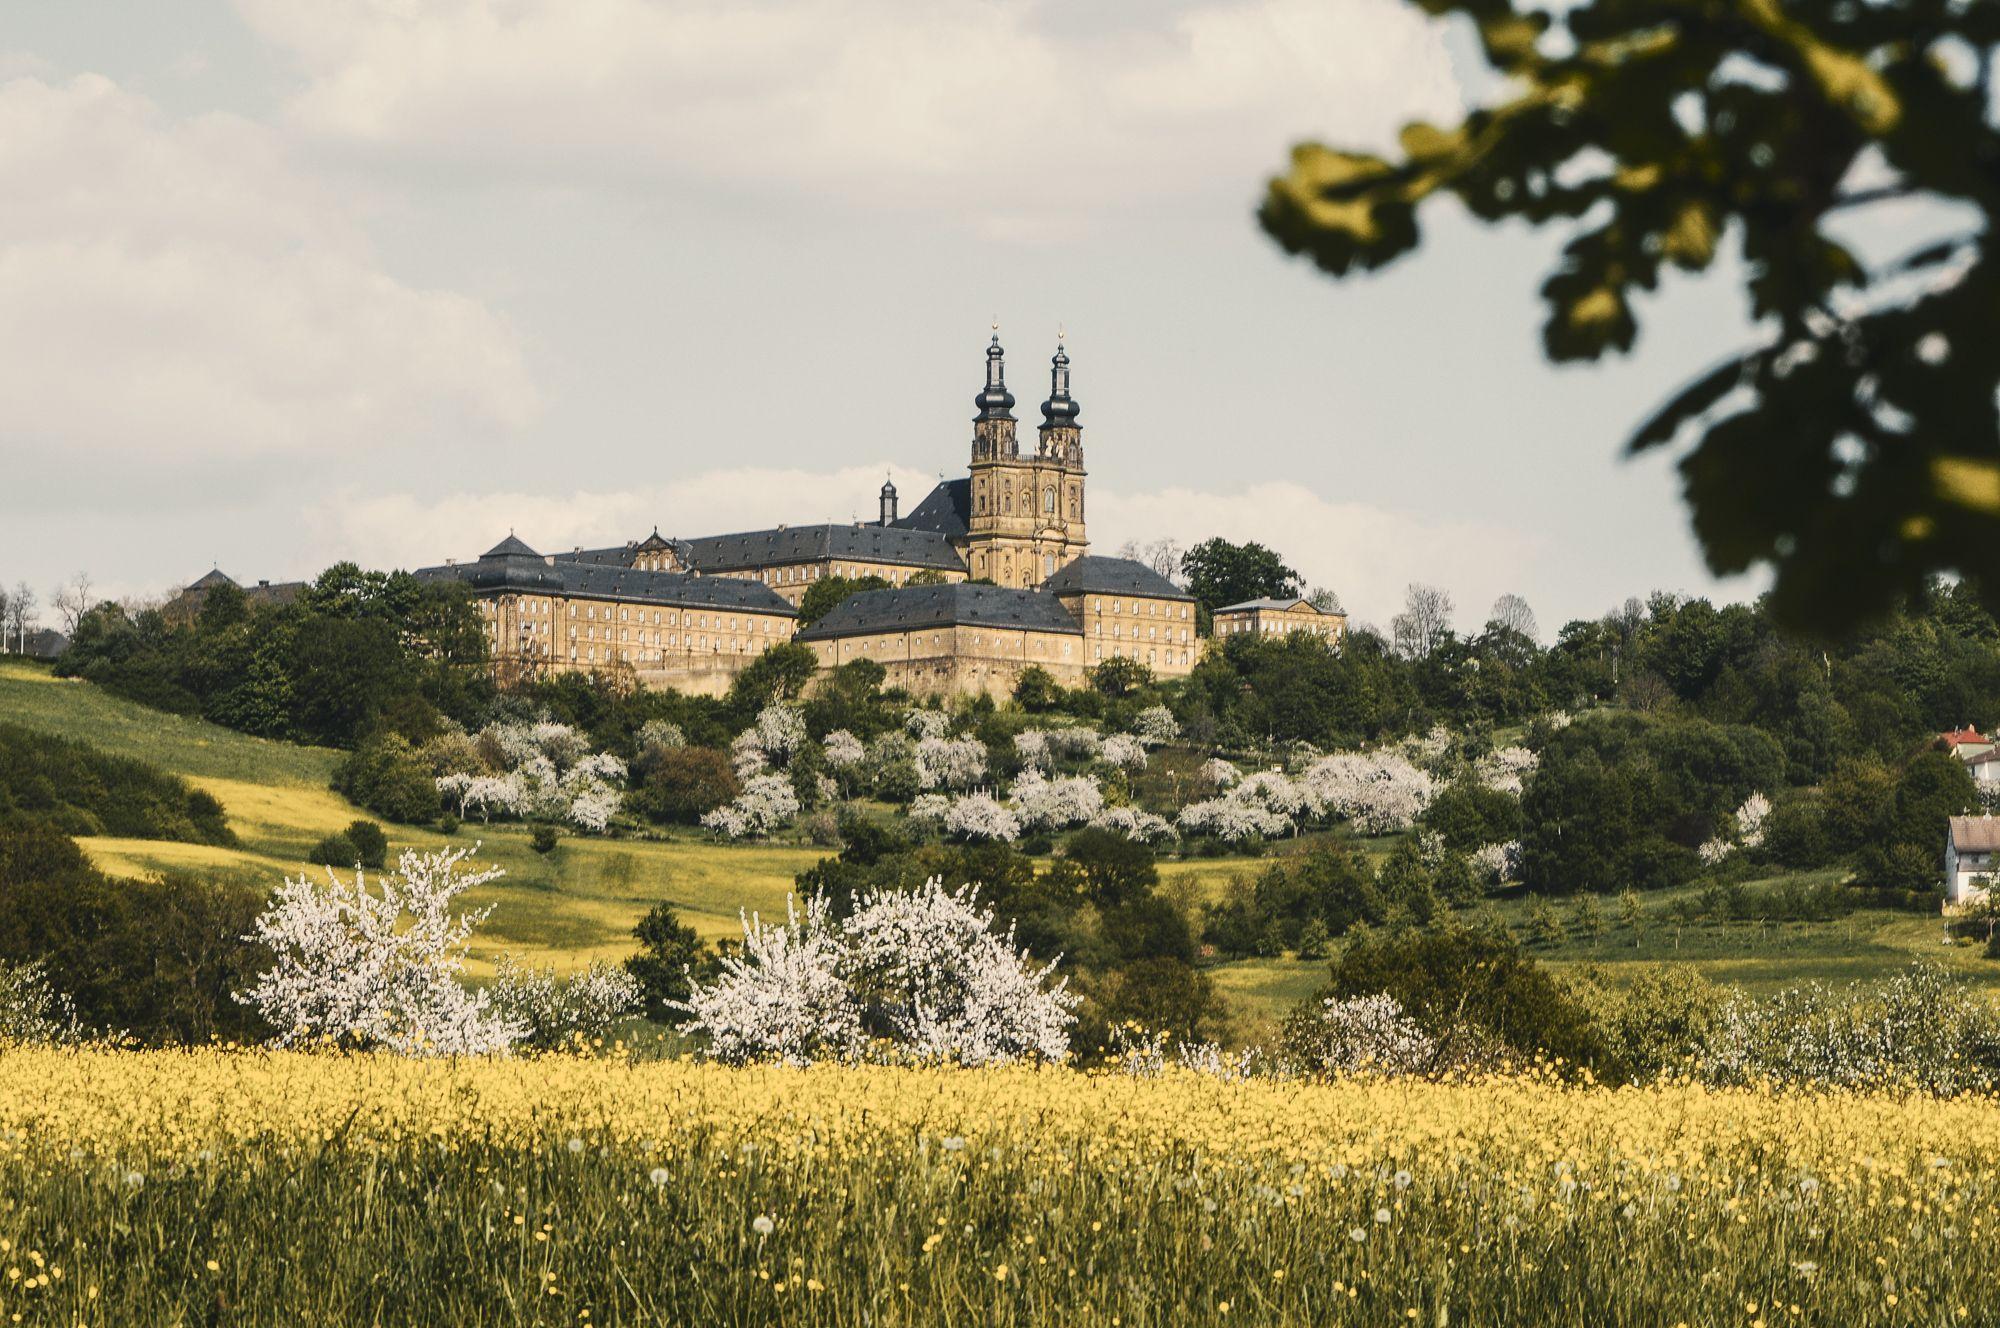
1296, 604
897, 545
1975, 834
511, 547
1112, 576
910, 608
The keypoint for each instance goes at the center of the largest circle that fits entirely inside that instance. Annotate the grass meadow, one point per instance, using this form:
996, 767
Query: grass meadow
213, 1186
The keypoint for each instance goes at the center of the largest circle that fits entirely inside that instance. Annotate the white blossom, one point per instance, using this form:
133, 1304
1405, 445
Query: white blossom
920, 972
979, 816
1359, 1035
1498, 863
562, 1011
1232, 820
929, 807
1155, 724
1378, 792
781, 730
843, 750
1055, 804
946, 987
1124, 751
746, 755
1506, 769
952, 763
1220, 774
1750, 818
766, 804
660, 733
378, 968
1134, 824
785, 997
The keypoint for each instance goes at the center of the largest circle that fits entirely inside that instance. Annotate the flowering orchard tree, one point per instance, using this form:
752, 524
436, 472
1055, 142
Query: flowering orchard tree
1134, 824
766, 803
1498, 863
544, 770
942, 984
917, 974
979, 816
1233, 820
555, 1012
780, 730
1750, 818
1219, 774
1155, 724
1041, 803
1506, 769
844, 751
951, 763
785, 997
746, 755
930, 807
1379, 792
379, 968
1124, 751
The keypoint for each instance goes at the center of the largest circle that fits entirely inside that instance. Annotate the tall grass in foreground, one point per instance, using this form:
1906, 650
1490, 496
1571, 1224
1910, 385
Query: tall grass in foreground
214, 1187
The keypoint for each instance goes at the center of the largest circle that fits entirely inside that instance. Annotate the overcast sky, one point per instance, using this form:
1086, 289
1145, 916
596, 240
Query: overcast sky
289, 281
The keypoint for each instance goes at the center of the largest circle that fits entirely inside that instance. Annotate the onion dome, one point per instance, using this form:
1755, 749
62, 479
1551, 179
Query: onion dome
995, 402
1061, 407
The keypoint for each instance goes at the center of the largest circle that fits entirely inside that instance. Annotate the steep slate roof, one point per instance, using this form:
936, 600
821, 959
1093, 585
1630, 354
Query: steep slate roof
1112, 576
581, 580
1975, 834
802, 544
945, 510
1297, 602
957, 605
511, 547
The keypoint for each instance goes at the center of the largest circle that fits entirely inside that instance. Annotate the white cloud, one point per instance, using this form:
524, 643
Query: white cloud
176, 289
1366, 554
1009, 112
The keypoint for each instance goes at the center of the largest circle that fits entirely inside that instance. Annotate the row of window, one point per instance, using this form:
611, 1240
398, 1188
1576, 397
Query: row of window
1152, 608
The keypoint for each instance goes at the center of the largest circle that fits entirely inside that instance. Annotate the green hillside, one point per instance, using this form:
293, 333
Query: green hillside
579, 902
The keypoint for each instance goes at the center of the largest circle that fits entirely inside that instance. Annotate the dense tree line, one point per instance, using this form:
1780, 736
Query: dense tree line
353, 651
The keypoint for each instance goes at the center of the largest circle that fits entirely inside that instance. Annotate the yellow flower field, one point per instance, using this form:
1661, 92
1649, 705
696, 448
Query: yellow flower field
250, 1187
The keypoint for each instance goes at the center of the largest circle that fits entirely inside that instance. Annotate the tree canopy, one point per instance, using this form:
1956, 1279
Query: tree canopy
1856, 448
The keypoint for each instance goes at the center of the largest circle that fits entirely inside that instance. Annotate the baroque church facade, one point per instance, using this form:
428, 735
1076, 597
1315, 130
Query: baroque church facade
988, 575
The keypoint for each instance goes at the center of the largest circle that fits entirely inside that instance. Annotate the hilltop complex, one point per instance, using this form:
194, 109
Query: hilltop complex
988, 575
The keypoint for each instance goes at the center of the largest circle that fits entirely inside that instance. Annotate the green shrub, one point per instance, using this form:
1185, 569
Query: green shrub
1451, 979
156, 958
386, 776
336, 850
73, 788
370, 844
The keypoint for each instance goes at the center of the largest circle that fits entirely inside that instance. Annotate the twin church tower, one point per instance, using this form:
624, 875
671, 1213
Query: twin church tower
1018, 517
